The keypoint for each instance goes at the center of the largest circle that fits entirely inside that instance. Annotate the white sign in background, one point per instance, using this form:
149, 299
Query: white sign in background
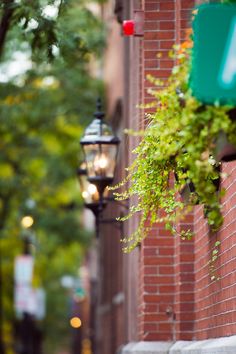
30, 300
26, 298
23, 270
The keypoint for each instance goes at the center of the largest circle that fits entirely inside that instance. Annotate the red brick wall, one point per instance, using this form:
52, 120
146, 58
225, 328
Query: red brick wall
175, 274
166, 263
184, 283
157, 286
168, 291
215, 301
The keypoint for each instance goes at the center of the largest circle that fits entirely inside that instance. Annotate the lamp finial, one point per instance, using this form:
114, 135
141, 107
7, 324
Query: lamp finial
99, 114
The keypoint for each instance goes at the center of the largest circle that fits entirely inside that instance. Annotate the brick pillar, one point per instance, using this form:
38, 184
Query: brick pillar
156, 254
184, 283
184, 249
164, 260
157, 286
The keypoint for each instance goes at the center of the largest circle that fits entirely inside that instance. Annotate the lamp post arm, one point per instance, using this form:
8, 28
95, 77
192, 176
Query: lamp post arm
123, 203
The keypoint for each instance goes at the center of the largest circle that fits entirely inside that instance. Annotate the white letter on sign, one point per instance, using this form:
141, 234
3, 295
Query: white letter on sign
228, 66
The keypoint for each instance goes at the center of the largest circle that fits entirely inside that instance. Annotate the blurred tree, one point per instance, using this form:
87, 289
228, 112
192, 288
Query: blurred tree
45, 102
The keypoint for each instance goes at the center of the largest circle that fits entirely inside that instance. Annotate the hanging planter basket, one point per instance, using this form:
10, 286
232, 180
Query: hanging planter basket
186, 192
226, 151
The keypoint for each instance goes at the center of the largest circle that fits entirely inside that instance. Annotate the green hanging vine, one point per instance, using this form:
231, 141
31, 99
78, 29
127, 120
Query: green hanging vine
180, 138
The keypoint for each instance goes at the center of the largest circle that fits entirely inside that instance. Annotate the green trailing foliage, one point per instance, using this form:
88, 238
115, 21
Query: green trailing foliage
179, 138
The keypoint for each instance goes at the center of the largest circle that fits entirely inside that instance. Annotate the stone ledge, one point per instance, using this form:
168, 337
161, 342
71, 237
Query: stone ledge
223, 345
148, 348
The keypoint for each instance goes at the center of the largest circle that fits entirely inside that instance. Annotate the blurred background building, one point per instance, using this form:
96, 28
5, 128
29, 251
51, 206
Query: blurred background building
160, 293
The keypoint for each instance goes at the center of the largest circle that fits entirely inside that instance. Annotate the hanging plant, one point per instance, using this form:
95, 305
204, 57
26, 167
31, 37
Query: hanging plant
180, 138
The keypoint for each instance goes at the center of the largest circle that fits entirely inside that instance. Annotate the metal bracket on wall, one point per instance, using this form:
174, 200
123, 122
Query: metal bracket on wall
139, 23
119, 224
135, 26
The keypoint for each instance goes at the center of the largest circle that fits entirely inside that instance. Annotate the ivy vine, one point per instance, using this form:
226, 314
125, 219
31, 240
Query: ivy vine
179, 140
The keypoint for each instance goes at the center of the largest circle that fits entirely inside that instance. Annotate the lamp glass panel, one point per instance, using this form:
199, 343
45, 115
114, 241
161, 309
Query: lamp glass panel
88, 190
100, 159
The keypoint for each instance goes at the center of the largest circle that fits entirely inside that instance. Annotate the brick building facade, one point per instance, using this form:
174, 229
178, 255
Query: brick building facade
160, 298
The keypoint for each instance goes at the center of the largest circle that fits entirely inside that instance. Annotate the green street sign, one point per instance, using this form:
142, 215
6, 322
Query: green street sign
213, 75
